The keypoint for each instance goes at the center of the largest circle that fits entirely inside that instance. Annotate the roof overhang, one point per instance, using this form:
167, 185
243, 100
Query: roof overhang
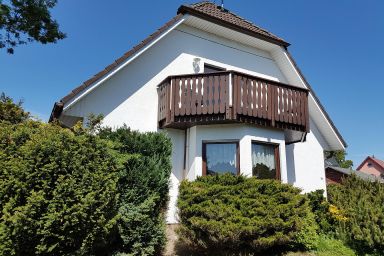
81, 91
184, 9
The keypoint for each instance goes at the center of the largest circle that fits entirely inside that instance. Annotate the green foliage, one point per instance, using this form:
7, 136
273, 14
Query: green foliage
58, 191
77, 192
143, 184
10, 111
320, 208
340, 155
361, 202
234, 213
330, 247
23, 21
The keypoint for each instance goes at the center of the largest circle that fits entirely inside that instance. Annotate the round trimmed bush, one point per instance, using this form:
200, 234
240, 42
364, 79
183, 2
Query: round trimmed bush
235, 213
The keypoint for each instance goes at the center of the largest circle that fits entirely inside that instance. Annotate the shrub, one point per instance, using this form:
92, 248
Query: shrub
66, 192
321, 209
11, 112
58, 191
234, 213
361, 213
143, 185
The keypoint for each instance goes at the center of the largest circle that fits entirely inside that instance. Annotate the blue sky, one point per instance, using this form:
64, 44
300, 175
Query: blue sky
337, 44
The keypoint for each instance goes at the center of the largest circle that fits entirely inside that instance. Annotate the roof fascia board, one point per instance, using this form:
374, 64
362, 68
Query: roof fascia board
186, 9
315, 99
122, 65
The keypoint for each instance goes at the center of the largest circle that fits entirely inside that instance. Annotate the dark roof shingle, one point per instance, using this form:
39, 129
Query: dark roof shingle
209, 9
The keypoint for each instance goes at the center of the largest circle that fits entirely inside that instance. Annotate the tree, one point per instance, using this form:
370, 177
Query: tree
10, 111
23, 21
339, 155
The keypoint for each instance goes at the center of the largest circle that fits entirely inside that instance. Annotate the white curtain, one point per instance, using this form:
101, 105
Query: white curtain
263, 154
221, 157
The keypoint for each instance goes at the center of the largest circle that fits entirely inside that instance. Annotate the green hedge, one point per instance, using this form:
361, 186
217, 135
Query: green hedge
71, 192
362, 204
58, 191
144, 186
234, 213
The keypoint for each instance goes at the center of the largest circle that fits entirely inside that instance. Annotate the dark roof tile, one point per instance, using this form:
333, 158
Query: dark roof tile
217, 12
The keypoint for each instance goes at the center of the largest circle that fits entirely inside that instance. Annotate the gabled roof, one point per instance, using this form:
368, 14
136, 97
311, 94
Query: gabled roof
359, 174
210, 11
206, 11
373, 159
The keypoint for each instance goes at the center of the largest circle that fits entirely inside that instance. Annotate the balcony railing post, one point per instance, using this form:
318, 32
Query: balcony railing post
228, 103
234, 95
273, 105
306, 112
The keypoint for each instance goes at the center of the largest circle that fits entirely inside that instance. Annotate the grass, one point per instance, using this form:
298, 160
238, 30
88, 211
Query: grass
327, 247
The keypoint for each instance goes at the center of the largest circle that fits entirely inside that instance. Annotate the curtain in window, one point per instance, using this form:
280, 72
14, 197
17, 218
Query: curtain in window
221, 158
263, 161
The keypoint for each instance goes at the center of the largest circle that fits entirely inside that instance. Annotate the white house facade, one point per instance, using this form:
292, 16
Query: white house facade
228, 94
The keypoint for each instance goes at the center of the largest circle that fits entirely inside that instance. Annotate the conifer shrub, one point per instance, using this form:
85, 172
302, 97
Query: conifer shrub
81, 191
321, 209
58, 191
359, 209
144, 186
238, 214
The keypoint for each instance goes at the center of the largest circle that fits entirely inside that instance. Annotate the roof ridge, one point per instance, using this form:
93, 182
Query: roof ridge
378, 161
234, 14
212, 10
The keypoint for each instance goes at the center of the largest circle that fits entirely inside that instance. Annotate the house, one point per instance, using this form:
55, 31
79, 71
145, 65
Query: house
372, 166
334, 173
227, 92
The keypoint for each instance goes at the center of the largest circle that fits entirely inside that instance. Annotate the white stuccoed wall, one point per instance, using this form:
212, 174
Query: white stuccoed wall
305, 162
130, 97
242, 133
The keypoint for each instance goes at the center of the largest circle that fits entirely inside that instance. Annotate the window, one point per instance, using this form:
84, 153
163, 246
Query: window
265, 161
369, 164
210, 68
220, 157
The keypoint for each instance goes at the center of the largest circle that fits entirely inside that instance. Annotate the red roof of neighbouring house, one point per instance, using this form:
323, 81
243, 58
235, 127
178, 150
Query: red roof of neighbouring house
377, 161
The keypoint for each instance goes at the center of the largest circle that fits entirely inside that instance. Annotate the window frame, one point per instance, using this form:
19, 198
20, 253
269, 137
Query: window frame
276, 154
213, 67
204, 154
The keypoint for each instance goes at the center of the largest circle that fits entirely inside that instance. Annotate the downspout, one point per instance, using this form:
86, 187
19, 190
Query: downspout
186, 146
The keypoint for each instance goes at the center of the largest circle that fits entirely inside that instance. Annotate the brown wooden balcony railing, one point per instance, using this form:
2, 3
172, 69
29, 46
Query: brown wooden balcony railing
229, 96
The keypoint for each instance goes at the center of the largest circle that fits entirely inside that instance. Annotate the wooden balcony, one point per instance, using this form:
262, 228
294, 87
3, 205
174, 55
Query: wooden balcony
231, 97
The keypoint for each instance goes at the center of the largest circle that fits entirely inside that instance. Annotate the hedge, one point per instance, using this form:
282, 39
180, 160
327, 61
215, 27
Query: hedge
58, 191
144, 186
236, 214
77, 192
361, 204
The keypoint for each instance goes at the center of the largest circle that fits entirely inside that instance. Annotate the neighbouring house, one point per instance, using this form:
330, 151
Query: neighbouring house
227, 92
334, 173
372, 166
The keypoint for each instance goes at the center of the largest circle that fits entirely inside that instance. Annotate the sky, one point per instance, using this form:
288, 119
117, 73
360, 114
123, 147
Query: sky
338, 45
